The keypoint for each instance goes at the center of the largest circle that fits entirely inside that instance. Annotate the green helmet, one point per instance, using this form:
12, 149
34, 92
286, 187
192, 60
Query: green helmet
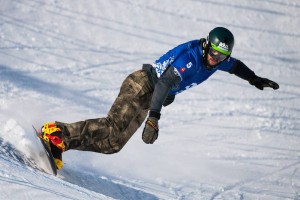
221, 40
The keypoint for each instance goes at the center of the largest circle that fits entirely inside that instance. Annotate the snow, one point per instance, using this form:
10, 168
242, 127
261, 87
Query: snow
65, 61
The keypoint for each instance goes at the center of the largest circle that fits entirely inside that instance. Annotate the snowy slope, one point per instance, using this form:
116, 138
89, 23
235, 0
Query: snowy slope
65, 60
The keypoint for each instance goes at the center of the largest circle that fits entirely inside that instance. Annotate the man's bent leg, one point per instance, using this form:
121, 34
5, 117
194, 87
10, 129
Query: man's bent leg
110, 134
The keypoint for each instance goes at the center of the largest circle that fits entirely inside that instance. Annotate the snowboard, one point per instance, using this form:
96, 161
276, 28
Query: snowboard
46, 152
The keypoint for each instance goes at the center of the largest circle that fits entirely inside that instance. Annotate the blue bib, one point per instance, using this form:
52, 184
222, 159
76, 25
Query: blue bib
187, 59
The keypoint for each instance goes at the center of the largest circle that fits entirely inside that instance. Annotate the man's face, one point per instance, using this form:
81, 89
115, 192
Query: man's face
214, 57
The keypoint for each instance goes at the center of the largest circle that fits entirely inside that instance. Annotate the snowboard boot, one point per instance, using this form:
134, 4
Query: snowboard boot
52, 135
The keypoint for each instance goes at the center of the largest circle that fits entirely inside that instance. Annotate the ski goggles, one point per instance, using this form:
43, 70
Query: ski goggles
216, 55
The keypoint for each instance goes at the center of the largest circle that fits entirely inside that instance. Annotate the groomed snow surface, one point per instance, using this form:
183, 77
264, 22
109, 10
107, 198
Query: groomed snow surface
65, 61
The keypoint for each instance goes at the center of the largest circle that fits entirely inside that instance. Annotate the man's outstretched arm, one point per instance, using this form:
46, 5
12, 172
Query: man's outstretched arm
242, 71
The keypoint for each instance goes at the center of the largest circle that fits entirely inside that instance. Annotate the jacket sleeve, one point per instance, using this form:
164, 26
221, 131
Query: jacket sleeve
170, 98
164, 84
241, 70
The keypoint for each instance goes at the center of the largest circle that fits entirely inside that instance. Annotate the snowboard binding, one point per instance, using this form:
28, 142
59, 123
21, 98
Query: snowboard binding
52, 136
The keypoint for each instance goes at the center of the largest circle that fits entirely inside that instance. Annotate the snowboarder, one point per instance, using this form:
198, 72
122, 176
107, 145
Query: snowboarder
145, 91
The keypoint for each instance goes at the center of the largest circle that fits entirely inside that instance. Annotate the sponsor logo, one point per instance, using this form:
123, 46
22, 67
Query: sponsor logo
182, 69
223, 46
161, 67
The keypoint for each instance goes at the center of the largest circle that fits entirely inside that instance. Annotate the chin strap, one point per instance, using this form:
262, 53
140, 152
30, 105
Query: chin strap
205, 46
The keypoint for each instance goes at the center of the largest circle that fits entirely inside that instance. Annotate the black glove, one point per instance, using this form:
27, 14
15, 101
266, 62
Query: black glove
150, 132
261, 83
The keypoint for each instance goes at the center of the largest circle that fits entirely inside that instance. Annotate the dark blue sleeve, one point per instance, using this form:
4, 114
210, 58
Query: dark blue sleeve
237, 67
161, 90
227, 65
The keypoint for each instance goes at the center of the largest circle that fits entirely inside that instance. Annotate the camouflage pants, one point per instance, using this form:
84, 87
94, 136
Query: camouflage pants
109, 134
